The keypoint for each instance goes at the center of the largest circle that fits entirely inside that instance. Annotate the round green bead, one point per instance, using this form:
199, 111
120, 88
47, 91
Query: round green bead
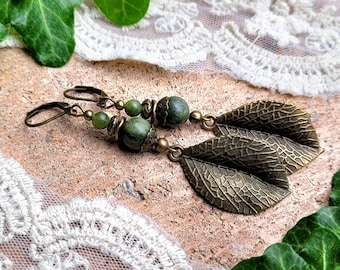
172, 111
178, 111
133, 107
135, 132
100, 120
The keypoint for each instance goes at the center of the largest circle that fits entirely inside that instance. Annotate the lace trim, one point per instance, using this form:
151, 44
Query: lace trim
166, 51
5, 263
115, 231
57, 232
286, 45
290, 74
179, 36
19, 201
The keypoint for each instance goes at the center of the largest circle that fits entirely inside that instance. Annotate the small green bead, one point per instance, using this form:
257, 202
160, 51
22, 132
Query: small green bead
133, 107
135, 132
100, 120
172, 111
178, 111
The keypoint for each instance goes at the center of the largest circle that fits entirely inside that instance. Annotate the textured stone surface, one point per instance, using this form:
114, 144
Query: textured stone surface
74, 159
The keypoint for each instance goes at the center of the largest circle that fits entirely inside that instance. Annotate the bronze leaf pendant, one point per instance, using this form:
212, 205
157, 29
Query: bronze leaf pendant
244, 169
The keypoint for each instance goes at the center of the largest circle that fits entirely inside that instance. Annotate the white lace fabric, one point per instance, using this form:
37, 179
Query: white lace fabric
285, 45
43, 232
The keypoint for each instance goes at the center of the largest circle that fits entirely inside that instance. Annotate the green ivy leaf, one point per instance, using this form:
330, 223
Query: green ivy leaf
123, 12
46, 27
4, 4
279, 256
3, 32
3, 19
334, 198
326, 218
253, 263
322, 250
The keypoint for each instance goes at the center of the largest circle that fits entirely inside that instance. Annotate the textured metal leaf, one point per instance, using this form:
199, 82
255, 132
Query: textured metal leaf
237, 174
293, 155
232, 190
244, 169
245, 154
273, 117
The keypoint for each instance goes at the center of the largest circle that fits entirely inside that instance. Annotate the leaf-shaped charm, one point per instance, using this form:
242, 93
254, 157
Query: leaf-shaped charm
244, 169
237, 174
294, 155
273, 117
232, 190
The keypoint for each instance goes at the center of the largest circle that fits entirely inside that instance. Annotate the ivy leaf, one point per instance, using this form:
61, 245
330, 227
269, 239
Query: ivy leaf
325, 218
46, 27
3, 32
279, 256
3, 19
322, 250
123, 12
4, 4
334, 198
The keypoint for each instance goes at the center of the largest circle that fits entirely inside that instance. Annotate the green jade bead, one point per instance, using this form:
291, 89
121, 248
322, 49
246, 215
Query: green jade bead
133, 107
178, 111
172, 111
100, 120
135, 132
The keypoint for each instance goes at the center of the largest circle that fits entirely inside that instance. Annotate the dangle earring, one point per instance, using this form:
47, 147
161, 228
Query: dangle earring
243, 169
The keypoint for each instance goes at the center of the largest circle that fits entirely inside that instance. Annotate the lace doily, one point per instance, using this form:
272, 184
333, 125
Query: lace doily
43, 232
286, 45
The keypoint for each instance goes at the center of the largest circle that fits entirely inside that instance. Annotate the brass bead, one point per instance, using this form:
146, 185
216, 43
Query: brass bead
88, 115
147, 110
162, 145
116, 123
119, 104
195, 116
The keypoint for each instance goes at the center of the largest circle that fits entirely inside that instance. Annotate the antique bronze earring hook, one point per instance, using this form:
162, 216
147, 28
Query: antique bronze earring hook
99, 96
72, 110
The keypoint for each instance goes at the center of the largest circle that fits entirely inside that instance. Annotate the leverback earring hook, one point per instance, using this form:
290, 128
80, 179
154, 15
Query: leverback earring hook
72, 110
100, 97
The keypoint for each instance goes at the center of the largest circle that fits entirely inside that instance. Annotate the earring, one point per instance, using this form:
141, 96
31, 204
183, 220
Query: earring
243, 169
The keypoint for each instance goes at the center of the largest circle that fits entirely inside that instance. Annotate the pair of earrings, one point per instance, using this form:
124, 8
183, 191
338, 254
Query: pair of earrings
243, 169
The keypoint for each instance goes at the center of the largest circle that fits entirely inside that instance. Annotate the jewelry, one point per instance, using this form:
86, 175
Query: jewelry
243, 169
